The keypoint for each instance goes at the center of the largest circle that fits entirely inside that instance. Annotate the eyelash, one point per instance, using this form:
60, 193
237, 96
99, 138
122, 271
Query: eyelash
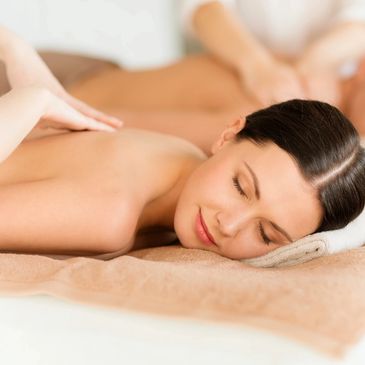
265, 239
238, 187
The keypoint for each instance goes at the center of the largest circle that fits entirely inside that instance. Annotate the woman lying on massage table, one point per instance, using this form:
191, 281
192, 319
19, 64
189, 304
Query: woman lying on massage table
285, 172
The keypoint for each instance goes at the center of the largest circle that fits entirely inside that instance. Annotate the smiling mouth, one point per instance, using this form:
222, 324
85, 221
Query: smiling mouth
202, 231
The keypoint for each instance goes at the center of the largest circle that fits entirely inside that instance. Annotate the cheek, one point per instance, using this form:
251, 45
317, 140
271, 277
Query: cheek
204, 189
205, 186
255, 250
246, 245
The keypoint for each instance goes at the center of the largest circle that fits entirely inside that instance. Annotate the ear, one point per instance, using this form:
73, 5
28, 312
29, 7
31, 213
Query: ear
228, 134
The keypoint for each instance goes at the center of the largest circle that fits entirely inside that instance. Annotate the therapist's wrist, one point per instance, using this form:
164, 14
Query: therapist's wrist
255, 62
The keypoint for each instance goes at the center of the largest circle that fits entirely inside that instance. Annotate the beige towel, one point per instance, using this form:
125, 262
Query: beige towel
321, 302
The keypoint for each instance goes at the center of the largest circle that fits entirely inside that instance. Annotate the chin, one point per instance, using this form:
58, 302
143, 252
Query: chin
184, 241
183, 233
181, 224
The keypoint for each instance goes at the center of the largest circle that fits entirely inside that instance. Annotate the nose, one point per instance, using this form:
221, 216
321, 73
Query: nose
230, 222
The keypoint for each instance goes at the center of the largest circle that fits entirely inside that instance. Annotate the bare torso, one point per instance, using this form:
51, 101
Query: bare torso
75, 193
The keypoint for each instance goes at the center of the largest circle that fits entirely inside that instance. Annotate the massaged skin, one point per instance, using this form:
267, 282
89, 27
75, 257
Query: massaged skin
86, 193
281, 173
99, 192
93, 192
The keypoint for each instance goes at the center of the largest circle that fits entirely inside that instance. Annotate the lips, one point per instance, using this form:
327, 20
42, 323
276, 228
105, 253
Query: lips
202, 230
206, 229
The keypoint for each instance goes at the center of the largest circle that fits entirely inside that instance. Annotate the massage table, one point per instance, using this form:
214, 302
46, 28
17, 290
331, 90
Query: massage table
176, 305
41, 330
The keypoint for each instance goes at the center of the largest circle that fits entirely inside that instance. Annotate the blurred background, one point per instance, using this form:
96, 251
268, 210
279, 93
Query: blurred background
136, 34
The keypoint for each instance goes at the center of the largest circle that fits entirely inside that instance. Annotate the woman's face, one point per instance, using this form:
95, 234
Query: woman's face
246, 200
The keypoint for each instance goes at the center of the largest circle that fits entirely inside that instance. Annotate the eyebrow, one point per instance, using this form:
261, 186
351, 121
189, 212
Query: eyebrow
257, 194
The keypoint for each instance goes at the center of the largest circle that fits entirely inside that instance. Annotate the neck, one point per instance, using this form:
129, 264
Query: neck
160, 212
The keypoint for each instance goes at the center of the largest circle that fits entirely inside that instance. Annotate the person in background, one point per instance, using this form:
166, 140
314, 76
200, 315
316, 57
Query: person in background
285, 49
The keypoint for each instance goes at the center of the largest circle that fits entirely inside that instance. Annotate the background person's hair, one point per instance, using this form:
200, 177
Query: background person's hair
327, 150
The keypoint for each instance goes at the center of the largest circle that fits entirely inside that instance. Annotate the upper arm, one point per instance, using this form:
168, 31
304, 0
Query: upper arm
20, 110
63, 216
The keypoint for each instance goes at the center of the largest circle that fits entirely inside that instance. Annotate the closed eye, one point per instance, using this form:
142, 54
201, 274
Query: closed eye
238, 186
264, 238
263, 235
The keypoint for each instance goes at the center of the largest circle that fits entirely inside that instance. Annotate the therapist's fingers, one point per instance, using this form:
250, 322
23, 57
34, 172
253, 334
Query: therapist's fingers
91, 112
60, 114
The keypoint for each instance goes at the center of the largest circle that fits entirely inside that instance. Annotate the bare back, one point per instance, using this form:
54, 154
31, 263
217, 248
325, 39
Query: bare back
81, 193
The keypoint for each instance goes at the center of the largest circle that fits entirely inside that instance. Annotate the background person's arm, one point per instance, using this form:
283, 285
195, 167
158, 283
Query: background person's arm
345, 42
320, 62
263, 76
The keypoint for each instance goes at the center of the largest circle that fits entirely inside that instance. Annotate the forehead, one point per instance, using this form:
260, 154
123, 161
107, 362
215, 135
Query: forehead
287, 198
269, 159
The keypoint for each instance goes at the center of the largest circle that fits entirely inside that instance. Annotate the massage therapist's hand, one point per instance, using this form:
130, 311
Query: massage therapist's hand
272, 81
320, 83
59, 114
25, 68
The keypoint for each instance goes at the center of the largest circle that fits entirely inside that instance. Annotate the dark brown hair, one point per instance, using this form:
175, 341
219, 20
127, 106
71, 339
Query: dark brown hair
326, 147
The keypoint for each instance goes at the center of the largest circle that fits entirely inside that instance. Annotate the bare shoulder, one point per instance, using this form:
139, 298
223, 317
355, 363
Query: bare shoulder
152, 157
160, 158
159, 142
156, 162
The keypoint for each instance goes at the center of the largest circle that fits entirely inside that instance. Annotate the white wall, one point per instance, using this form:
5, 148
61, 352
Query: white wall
136, 33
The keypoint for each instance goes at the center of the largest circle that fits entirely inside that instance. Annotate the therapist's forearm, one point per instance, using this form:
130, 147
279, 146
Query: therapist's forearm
20, 111
8, 43
342, 43
223, 35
